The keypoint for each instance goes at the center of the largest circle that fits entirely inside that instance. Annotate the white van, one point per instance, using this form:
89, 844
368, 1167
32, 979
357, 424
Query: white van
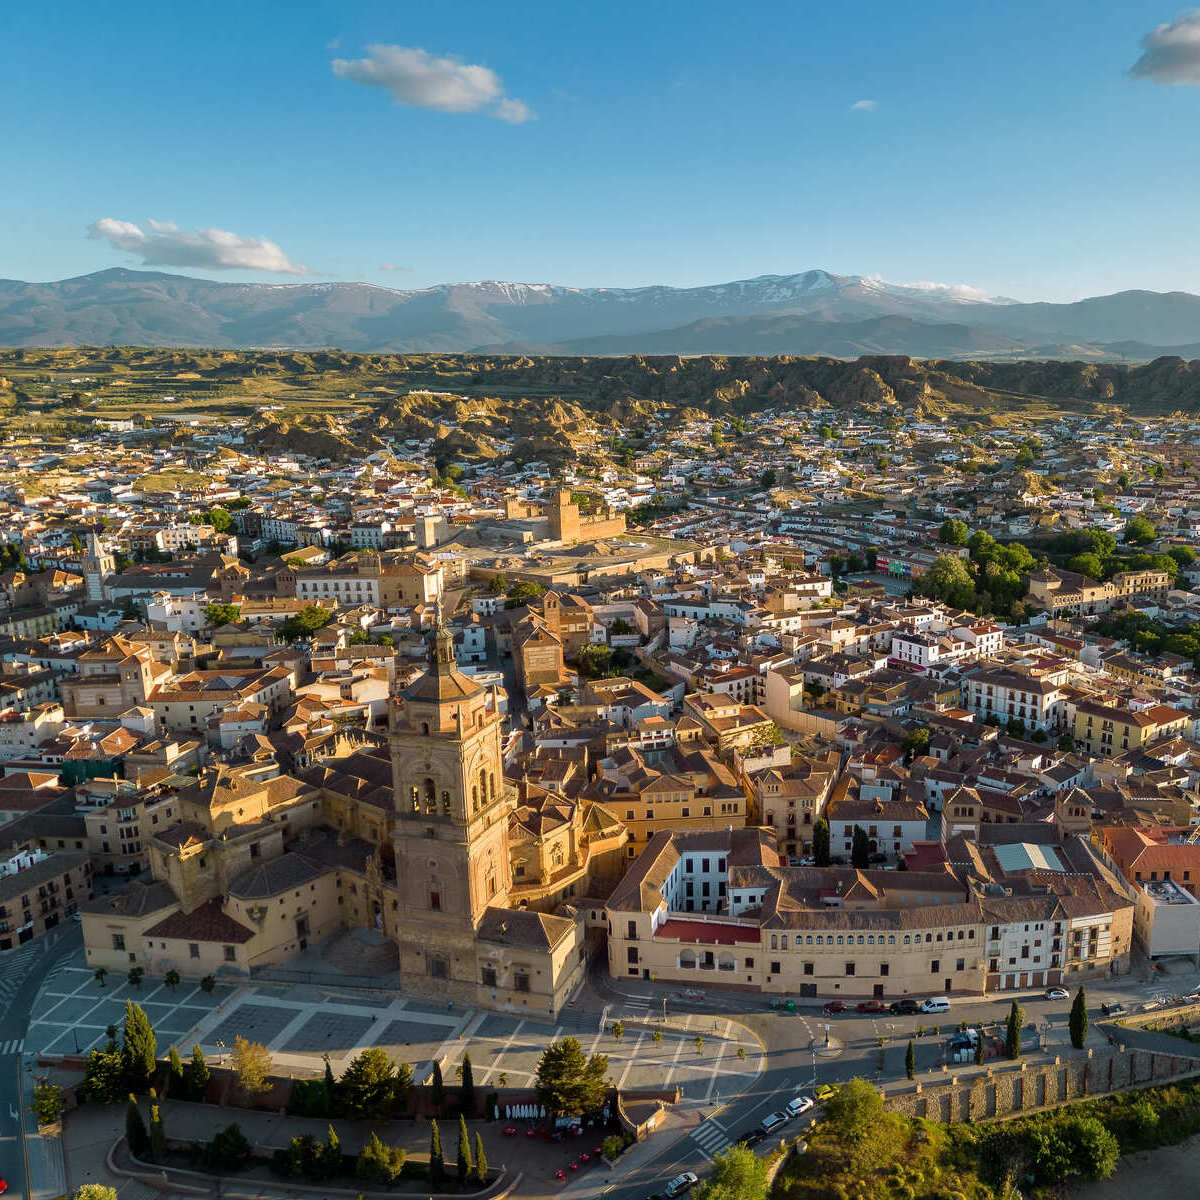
935, 1004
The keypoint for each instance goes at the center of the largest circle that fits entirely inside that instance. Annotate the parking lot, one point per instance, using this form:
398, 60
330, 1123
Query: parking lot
706, 1057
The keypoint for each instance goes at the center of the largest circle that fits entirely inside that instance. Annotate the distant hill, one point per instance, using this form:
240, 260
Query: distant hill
813, 312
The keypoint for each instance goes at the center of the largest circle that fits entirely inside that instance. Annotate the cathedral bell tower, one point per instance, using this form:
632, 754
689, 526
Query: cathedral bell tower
450, 821
97, 564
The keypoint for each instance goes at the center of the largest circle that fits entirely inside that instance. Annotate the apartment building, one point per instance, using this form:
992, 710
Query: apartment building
38, 889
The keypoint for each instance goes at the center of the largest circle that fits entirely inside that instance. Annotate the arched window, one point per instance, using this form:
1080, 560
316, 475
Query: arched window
891, 939
425, 728
774, 942
687, 959
445, 804
860, 939
839, 939
907, 939
783, 942
483, 785
808, 940
415, 798
474, 799
430, 796
725, 962
492, 785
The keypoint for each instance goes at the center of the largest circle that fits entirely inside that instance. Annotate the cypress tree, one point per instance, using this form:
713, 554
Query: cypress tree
158, 1136
330, 1088
481, 1163
437, 1087
1079, 1020
910, 1060
198, 1082
463, 1164
175, 1084
437, 1164
139, 1052
820, 842
466, 1102
136, 1137
1012, 1041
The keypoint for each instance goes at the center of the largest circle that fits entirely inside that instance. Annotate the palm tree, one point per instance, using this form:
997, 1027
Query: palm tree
171, 979
99, 975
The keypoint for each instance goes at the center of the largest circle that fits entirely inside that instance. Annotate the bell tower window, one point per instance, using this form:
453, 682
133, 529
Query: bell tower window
430, 797
445, 804
415, 799
435, 900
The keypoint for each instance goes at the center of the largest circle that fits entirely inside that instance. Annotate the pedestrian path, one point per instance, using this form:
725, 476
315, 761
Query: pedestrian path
711, 1137
12, 1046
14, 969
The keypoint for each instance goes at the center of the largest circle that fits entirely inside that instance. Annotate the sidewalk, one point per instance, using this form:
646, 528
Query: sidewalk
47, 1172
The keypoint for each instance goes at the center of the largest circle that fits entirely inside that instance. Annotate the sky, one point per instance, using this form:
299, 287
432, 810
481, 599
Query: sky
1033, 150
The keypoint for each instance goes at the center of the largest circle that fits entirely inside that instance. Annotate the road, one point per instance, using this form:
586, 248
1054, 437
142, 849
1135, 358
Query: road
21, 974
873, 1048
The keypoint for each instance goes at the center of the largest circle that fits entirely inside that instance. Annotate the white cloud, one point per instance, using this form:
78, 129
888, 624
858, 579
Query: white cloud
415, 77
1171, 52
164, 244
864, 106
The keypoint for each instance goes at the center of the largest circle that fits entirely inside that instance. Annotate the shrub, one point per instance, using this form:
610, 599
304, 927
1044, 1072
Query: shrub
379, 1163
229, 1151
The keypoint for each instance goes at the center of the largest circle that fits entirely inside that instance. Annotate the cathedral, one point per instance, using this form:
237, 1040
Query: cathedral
411, 840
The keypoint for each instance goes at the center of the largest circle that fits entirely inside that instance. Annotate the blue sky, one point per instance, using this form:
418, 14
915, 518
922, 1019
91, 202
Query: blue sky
1005, 146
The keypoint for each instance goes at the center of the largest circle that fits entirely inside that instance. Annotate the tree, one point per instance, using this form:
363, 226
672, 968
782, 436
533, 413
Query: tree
593, 660
305, 623
171, 979
175, 1082
1065, 743
199, 1074
208, 984
228, 1152
462, 1162
217, 614
1139, 531
979, 1050
860, 853
1012, 1036
618, 1030
158, 1134
910, 1059
950, 581
953, 532
917, 743
1185, 556
466, 1094
1024, 458
853, 1110
567, 1081
139, 1053
737, 1174
1087, 564
134, 976
820, 842
104, 1076
379, 1163
47, 1103
436, 1087
437, 1164
94, 1191
521, 592
99, 975
251, 1062
373, 1087
1078, 1021
481, 1162
136, 1136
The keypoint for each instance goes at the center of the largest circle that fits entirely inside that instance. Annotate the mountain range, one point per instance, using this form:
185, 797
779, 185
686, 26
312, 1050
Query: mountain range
811, 313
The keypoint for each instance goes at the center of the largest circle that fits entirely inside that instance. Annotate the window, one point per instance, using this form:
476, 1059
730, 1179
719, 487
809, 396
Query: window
808, 968
521, 981
193, 949
960, 964
935, 966
118, 940
775, 968
883, 968
849, 968
230, 954
435, 901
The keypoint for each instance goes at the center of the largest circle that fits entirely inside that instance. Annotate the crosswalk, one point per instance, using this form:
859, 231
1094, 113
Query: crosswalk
638, 1005
14, 968
710, 1137
12, 1046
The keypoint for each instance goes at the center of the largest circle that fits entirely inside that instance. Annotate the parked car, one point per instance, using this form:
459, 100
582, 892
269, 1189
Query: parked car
1055, 994
935, 1004
872, 1006
834, 1006
1112, 1010
774, 1121
907, 1006
680, 1184
798, 1106
751, 1138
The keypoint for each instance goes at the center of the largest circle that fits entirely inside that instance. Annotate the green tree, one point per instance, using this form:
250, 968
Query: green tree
139, 1053
618, 1030
910, 1059
104, 1076
1139, 531
481, 1162
175, 1081
134, 976
1012, 1036
1185, 556
567, 1081
171, 979
1024, 458
767, 479
1078, 1021
198, 1075
158, 1135
860, 853
437, 1164
208, 984
593, 660
917, 743
467, 1102
437, 1087
950, 581
251, 1062
737, 1174
820, 842
1087, 564
373, 1087
521, 592
228, 1152
217, 614
47, 1103
136, 1136
94, 1191
379, 1163
953, 532
462, 1162
853, 1110
305, 623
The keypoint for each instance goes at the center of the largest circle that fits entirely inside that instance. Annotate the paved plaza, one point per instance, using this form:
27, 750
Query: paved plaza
302, 1024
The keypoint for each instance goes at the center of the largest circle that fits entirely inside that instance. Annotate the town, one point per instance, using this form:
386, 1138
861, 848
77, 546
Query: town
759, 752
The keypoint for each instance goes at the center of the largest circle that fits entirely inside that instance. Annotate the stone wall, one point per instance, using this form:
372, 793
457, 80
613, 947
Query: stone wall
1022, 1087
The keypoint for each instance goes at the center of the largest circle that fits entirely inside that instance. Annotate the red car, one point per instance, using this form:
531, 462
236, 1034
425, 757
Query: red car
834, 1006
872, 1006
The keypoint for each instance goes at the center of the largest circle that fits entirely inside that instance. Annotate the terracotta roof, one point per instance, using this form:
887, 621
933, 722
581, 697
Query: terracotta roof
208, 923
